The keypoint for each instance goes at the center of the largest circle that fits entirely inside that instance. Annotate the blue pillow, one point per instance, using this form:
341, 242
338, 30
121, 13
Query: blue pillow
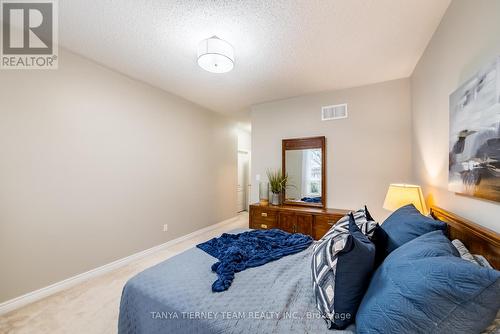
407, 223
379, 238
342, 265
424, 287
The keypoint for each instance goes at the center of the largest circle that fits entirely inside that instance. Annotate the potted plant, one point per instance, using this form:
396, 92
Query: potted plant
278, 183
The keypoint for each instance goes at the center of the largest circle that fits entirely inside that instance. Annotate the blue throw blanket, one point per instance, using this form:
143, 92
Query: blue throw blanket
236, 252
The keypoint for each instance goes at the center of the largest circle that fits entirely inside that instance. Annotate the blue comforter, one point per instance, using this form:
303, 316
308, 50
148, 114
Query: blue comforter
237, 252
175, 297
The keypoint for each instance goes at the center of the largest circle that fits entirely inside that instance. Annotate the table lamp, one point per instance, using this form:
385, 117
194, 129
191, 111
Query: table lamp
399, 195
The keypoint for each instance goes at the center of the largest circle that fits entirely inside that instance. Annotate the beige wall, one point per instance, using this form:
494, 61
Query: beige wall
467, 39
94, 163
365, 152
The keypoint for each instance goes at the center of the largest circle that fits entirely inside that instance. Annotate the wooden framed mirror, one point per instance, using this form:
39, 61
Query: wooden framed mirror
304, 160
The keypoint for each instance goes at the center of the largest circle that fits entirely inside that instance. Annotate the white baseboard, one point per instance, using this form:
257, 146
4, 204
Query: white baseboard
33, 296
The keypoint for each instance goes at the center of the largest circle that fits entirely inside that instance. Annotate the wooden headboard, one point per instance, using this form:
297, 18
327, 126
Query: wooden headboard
478, 239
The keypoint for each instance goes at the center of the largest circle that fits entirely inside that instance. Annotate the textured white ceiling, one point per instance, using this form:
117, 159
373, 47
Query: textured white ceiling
283, 48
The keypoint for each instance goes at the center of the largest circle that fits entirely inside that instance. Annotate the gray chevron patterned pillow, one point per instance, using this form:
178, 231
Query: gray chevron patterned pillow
346, 242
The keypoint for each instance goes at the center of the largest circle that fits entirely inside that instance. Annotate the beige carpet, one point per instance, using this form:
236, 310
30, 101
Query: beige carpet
92, 306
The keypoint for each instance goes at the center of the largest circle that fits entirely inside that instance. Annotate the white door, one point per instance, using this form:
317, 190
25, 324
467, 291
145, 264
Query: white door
242, 180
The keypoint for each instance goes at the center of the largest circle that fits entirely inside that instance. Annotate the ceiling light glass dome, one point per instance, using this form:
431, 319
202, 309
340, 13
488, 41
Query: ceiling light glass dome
215, 55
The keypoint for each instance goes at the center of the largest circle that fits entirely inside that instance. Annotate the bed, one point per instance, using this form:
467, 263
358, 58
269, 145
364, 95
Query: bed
175, 296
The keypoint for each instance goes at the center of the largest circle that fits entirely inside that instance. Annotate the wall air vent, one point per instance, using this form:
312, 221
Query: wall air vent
332, 112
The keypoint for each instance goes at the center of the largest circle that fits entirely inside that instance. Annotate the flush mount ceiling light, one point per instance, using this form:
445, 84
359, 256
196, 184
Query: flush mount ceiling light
215, 55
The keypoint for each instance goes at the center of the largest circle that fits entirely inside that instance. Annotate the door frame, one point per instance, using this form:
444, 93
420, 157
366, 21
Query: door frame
248, 185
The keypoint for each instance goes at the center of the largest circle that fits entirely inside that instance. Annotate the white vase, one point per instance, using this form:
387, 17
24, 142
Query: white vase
275, 199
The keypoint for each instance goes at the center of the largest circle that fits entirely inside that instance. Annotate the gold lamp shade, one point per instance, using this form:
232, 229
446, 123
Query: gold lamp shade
399, 195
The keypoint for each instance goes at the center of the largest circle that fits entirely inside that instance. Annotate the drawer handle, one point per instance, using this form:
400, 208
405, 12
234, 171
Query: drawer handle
331, 222
264, 214
263, 226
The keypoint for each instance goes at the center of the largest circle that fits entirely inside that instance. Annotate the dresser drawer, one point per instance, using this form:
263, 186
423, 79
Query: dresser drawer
265, 215
263, 218
262, 225
323, 223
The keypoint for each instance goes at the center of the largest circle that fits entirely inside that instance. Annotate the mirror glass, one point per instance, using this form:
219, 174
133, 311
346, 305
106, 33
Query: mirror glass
304, 172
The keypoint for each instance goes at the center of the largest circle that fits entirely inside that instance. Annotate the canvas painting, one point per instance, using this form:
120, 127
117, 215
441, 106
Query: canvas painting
474, 160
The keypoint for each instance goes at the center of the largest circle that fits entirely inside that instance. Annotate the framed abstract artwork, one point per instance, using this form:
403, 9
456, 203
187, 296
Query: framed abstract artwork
474, 158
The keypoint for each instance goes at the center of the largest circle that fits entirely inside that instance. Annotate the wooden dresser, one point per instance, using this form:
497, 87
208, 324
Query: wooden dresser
295, 219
